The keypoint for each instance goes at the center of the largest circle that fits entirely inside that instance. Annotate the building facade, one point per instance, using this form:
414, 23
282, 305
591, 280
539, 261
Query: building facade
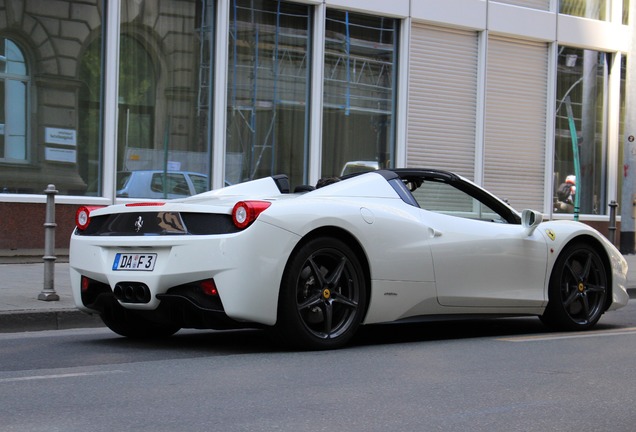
181, 96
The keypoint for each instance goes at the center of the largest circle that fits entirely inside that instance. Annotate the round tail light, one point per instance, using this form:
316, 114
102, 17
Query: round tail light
83, 216
246, 212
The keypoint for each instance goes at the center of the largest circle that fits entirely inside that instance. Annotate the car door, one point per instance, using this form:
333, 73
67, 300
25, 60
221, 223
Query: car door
480, 258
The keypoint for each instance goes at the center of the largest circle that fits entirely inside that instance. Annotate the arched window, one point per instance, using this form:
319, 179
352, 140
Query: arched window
14, 86
137, 87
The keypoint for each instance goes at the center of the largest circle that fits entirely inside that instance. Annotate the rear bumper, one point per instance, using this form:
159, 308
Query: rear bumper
247, 268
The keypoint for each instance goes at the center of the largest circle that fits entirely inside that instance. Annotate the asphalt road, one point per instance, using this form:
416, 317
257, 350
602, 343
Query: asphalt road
493, 375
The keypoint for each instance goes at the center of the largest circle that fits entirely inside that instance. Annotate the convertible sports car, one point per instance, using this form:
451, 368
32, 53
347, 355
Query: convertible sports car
315, 264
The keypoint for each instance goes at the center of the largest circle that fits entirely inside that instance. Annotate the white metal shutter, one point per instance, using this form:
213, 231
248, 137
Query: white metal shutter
442, 99
515, 121
535, 4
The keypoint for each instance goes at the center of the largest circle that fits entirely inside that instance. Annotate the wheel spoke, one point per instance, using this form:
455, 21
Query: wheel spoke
328, 327
574, 275
317, 273
340, 299
337, 273
588, 266
311, 301
596, 288
571, 298
586, 307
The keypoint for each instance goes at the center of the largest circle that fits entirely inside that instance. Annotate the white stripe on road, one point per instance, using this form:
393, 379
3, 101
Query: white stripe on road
58, 376
596, 333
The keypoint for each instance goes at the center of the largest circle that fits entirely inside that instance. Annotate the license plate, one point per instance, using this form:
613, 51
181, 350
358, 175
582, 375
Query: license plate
140, 262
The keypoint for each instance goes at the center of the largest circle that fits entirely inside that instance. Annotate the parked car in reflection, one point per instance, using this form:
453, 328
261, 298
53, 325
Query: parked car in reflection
160, 184
355, 167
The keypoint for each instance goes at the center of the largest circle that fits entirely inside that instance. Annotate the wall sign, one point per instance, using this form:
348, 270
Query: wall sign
60, 155
66, 137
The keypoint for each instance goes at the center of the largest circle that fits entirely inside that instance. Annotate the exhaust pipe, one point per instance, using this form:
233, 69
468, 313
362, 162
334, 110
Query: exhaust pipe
132, 292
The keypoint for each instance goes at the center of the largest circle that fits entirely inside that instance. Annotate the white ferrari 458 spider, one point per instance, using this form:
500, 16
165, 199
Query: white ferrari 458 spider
315, 264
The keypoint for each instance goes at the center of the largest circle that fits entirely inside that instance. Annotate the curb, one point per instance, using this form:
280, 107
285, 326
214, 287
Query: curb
14, 322
65, 319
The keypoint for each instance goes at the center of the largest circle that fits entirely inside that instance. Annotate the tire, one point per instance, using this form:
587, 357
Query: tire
578, 290
323, 296
132, 325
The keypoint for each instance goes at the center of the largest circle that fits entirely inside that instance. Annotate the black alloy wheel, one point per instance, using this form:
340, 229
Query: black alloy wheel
323, 295
578, 289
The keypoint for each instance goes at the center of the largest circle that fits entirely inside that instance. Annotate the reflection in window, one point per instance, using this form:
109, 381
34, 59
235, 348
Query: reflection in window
594, 9
580, 111
89, 138
164, 87
268, 87
14, 82
359, 90
621, 134
443, 198
137, 86
159, 184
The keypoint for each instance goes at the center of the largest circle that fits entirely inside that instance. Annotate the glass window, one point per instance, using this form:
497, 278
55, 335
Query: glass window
89, 131
13, 102
580, 148
49, 126
359, 91
537, 4
135, 126
170, 183
625, 12
443, 198
268, 88
594, 9
122, 180
620, 173
199, 182
164, 89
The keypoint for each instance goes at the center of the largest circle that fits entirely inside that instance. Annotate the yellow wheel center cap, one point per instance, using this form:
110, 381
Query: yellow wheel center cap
326, 293
581, 287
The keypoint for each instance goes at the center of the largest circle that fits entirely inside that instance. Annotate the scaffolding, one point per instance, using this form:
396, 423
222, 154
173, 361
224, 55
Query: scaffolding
269, 69
205, 48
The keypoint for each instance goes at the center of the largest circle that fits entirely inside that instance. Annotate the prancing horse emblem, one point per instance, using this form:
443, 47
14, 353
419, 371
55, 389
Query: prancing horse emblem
139, 223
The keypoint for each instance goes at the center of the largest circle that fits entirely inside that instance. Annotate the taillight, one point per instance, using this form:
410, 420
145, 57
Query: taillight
209, 287
83, 216
85, 283
246, 212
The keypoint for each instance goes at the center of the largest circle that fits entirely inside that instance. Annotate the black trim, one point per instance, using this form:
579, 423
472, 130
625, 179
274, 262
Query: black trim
419, 174
282, 182
160, 223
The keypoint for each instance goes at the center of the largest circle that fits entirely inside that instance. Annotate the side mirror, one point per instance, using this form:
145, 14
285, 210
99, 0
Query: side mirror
530, 219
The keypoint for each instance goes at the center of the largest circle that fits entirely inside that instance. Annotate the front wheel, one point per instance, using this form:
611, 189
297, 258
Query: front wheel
323, 295
578, 289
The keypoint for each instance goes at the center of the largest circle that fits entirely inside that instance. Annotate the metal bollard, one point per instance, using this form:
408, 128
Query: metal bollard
48, 293
612, 222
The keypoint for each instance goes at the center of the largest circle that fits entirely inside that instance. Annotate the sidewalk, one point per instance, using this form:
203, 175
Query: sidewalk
20, 309
21, 284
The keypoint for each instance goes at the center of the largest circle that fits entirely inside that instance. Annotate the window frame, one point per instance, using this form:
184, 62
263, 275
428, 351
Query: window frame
26, 80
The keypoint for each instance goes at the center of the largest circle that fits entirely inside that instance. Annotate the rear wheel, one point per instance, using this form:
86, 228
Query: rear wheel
323, 295
578, 289
132, 325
